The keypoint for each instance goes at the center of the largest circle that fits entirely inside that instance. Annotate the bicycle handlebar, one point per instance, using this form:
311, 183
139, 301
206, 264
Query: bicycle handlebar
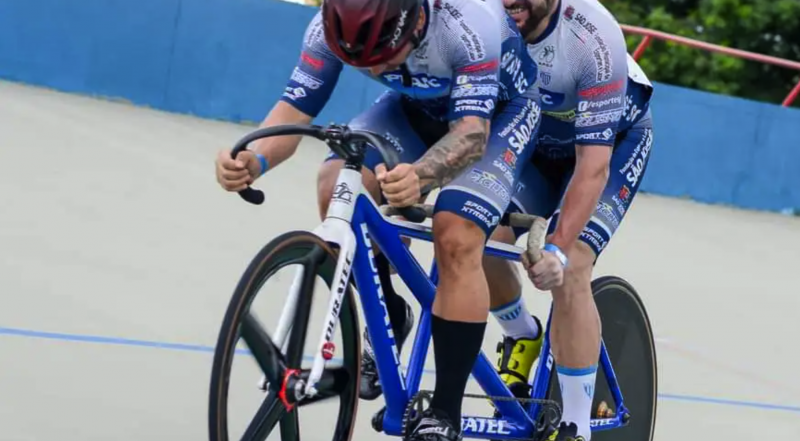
341, 139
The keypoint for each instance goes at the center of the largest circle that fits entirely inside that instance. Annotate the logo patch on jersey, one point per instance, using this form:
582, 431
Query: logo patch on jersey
422, 85
546, 56
551, 100
305, 79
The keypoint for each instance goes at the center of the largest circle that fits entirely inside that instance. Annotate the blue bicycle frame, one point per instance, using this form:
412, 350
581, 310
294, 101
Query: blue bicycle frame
369, 226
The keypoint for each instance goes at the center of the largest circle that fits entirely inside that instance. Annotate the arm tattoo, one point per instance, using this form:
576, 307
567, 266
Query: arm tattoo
463, 146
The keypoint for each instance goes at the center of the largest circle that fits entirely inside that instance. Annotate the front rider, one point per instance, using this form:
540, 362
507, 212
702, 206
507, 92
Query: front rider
593, 150
459, 77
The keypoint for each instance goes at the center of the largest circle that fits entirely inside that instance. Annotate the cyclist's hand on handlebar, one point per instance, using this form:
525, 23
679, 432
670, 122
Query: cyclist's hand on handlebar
236, 175
400, 185
547, 273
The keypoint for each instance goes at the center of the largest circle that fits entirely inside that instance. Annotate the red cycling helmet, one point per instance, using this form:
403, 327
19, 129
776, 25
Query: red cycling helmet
365, 33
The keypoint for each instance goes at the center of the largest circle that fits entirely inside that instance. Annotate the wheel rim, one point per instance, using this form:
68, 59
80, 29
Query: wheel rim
272, 410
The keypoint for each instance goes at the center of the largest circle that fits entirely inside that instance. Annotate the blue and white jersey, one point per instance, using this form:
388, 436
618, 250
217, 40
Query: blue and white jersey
471, 56
591, 88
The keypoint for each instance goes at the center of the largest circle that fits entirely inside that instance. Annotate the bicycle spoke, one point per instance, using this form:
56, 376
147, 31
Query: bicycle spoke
266, 354
334, 382
269, 413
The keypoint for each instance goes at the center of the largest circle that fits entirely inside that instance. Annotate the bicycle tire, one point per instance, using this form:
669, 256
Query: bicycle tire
628, 336
286, 249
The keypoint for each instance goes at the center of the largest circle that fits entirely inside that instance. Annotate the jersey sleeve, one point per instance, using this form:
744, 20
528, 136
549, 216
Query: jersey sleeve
602, 78
474, 52
316, 73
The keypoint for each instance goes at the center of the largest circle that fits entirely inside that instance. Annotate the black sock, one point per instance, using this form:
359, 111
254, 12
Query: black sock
394, 303
455, 346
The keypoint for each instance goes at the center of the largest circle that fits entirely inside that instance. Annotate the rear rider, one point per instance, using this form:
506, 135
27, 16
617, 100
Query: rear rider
593, 150
459, 80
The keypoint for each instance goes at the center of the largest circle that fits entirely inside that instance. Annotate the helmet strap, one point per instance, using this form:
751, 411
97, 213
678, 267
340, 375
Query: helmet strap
406, 75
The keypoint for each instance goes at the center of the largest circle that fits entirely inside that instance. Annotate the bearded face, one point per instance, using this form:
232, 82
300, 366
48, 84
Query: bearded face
528, 14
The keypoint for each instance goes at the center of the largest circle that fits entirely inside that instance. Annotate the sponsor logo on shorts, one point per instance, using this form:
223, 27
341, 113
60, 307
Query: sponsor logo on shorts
607, 212
507, 171
522, 127
632, 110
511, 63
620, 205
510, 158
624, 193
481, 213
632, 170
594, 238
490, 182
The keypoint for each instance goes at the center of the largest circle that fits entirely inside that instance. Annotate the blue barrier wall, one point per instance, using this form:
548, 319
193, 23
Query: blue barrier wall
230, 59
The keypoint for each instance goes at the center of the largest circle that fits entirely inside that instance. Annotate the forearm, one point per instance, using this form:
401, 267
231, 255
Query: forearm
461, 147
277, 149
580, 202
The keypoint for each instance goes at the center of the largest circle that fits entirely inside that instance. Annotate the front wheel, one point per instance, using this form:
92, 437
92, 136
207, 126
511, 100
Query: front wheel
628, 337
282, 369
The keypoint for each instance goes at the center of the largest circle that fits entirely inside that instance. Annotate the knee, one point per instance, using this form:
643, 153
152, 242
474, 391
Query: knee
457, 241
578, 273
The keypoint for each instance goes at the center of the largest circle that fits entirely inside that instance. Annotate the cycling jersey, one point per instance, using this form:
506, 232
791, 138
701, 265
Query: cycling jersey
471, 57
591, 88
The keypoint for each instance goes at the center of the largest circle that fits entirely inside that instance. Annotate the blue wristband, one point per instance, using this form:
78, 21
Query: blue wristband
264, 163
557, 251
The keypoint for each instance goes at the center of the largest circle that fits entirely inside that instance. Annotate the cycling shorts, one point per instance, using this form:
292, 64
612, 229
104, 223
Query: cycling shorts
544, 181
482, 193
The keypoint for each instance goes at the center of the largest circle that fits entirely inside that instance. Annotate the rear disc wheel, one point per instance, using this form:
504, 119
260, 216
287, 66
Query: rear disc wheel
628, 337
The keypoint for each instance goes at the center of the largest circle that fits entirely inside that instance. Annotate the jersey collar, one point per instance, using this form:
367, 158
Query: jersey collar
551, 26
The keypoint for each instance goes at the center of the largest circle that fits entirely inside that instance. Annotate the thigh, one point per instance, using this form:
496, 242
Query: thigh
539, 189
483, 192
388, 118
628, 165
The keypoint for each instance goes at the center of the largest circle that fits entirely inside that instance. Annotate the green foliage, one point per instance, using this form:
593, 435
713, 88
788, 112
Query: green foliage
770, 27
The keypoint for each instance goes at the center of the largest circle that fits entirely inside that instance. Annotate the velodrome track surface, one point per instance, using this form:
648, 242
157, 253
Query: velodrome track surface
118, 253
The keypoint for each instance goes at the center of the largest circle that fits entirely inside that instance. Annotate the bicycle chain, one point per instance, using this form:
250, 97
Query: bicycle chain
542, 424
